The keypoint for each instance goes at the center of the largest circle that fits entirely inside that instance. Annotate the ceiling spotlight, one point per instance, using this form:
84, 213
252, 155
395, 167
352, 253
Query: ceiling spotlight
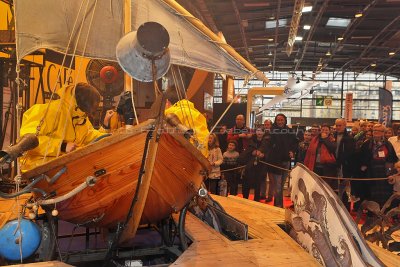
270, 39
306, 9
340, 38
328, 53
391, 53
359, 14
373, 64
307, 27
320, 64
298, 38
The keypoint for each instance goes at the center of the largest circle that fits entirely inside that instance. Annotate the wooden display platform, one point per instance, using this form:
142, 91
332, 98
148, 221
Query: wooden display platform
269, 244
43, 264
388, 258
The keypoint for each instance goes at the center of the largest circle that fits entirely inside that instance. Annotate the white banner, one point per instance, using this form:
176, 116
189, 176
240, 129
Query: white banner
348, 109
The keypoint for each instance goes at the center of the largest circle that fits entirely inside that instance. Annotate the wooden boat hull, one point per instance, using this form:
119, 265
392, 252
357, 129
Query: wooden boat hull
178, 173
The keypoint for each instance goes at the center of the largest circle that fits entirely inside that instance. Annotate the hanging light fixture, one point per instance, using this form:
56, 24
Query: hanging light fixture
373, 64
391, 53
269, 54
329, 50
340, 38
270, 64
359, 14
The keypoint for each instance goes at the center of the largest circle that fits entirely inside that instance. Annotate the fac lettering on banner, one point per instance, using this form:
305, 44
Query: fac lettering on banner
348, 109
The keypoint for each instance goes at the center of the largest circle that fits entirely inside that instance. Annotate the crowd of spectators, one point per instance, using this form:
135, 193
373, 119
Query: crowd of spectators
361, 152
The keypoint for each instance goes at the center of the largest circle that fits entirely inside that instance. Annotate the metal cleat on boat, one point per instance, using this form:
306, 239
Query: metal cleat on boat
202, 192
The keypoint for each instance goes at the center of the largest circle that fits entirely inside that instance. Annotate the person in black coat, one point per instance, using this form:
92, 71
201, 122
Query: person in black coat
254, 171
281, 149
345, 149
377, 160
222, 135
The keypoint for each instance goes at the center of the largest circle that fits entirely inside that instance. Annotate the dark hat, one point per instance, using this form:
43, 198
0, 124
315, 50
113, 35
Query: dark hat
87, 97
233, 142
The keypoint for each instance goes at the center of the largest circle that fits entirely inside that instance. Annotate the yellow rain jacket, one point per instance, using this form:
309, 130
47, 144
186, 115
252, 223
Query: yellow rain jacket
64, 122
192, 118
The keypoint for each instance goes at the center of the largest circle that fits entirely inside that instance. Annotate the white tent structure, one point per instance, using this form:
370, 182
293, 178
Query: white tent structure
93, 28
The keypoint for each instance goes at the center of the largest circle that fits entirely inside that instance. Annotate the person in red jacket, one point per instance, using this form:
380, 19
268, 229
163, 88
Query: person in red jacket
240, 133
320, 156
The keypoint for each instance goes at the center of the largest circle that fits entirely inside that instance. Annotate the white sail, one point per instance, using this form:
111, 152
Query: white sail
50, 23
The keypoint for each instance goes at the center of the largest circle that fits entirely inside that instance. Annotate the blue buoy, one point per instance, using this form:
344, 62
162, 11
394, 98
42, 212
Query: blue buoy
10, 239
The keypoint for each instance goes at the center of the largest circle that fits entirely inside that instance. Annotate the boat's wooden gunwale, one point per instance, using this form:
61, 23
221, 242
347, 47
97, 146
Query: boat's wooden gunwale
189, 147
64, 159
186, 172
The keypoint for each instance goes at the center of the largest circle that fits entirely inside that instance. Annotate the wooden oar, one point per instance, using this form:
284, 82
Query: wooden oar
133, 223
131, 228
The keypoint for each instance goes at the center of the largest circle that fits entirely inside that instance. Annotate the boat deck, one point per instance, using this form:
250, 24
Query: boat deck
269, 244
43, 264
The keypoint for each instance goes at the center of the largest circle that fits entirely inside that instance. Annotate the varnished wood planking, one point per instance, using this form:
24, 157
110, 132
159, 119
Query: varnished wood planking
118, 136
9, 209
388, 258
270, 246
43, 264
209, 248
274, 253
273, 213
250, 215
176, 178
121, 162
141, 194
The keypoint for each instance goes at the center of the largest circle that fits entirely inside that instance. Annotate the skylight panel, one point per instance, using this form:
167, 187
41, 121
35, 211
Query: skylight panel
272, 23
338, 22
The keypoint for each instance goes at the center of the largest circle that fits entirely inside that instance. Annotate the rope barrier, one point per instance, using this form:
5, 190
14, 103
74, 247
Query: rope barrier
323, 177
232, 169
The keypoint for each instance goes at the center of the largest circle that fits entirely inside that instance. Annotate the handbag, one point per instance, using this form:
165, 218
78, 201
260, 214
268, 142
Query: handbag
326, 156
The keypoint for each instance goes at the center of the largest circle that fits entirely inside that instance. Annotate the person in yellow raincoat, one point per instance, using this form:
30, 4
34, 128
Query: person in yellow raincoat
192, 118
66, 126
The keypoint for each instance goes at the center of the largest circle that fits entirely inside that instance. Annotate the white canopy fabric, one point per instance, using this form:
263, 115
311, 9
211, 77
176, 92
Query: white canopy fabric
50, 24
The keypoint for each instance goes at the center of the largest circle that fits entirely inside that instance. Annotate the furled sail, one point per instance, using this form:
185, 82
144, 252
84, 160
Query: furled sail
95, 27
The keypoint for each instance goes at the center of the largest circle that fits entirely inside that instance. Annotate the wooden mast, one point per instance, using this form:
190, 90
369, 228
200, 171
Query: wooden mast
134, 221
203, 28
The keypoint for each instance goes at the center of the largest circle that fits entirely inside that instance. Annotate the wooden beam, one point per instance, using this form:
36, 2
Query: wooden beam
260, 91
201, 27
197, 81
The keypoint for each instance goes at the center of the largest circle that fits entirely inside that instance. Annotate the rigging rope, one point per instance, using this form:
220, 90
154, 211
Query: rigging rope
38, 128
235, 97
62, 64
323, 177
133, 106
185, 95
78, 71
179, 95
